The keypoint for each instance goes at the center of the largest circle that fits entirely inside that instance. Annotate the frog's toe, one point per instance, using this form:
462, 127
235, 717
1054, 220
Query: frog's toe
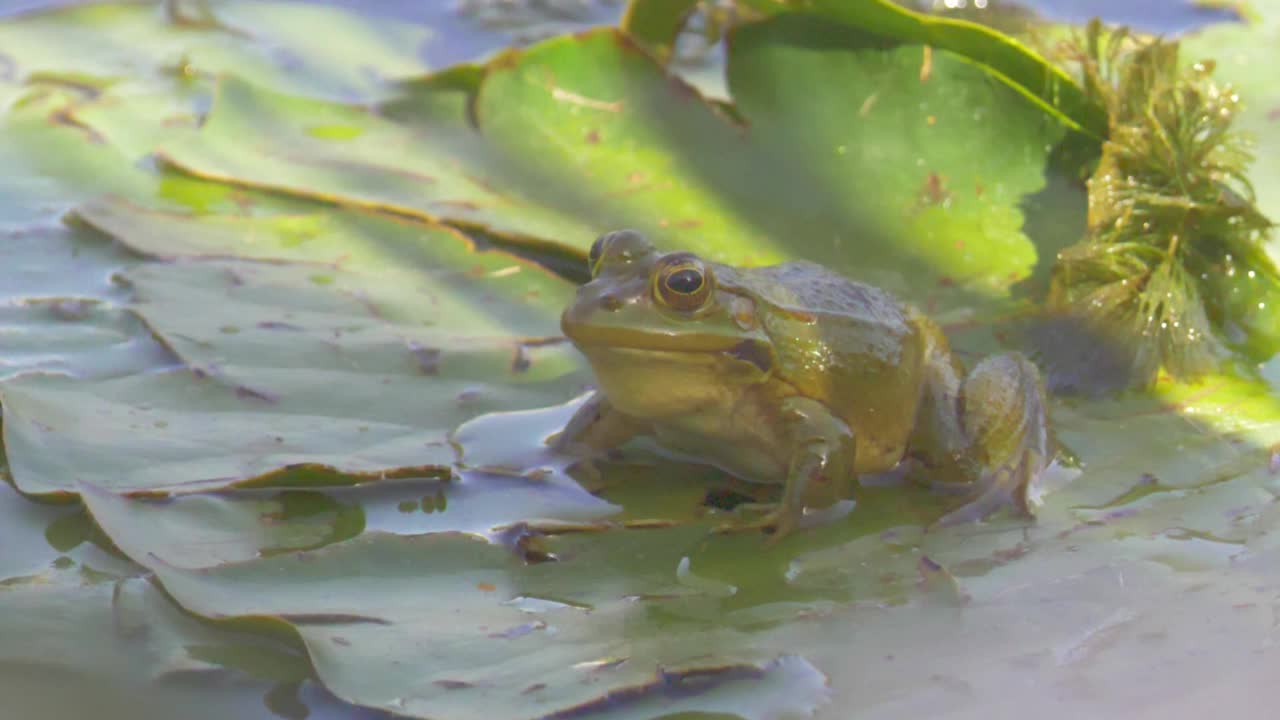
1005, 487
776, 521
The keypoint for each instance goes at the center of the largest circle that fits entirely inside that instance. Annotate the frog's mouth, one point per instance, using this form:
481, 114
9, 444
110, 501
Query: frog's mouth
604, 340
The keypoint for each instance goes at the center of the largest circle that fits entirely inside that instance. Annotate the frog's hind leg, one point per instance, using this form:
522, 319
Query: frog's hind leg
1003, 412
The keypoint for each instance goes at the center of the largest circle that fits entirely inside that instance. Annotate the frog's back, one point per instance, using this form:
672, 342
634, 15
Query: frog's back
852, 346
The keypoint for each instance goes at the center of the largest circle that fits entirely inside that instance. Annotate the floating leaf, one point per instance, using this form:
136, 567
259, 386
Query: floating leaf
79, 644
454, 634
572, 146
285, 45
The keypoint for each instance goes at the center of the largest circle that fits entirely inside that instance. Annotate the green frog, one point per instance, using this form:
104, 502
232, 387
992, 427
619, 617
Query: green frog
793, 374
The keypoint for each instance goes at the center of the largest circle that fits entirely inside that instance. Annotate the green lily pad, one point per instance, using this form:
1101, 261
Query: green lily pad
293, 363
453, 633
656, 22
287, 45
586, 133
203, 530
80, 644
178, 432
41, 537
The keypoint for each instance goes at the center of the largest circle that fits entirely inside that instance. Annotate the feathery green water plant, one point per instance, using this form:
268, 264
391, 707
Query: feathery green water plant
1171, 269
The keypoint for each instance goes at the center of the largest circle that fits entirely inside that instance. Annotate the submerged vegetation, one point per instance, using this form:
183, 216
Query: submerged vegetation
1162, 278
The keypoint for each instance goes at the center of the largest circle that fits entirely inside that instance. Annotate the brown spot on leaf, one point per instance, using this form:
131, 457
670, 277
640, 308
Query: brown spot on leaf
66, 118
682, 90
934, 191
486, 587
522, 360
459, 204
242, 200
468, 396
428, 359
275, 325
592, 137
183, 121
248, 393
454, 684
870, 102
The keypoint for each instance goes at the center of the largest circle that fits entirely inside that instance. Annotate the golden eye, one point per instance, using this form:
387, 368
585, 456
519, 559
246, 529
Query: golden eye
682, 282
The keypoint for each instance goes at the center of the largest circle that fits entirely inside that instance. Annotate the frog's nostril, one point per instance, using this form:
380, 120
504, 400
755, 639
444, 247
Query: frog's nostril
610, 302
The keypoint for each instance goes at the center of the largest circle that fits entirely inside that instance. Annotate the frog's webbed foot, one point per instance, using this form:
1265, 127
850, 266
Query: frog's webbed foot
1004, 487
772, 518
1003, 414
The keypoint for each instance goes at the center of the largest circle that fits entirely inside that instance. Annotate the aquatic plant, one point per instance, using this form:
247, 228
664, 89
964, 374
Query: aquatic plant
1171, 269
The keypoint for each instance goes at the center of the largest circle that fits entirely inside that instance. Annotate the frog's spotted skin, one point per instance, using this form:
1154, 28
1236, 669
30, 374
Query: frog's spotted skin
794, 374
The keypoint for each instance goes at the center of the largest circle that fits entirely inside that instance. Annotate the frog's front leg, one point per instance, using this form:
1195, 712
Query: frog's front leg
594, 429
1002, 414
820, 468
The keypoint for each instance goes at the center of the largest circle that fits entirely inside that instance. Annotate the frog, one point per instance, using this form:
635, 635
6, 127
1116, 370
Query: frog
795, 375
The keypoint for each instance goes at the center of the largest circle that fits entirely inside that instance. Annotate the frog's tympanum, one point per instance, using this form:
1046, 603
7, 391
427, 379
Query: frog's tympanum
796, 375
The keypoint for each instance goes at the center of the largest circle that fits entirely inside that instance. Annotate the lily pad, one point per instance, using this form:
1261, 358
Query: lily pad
587, 133
203, 530
293, 363
452, 632
657, 22
286, 45
177, 432
84, 644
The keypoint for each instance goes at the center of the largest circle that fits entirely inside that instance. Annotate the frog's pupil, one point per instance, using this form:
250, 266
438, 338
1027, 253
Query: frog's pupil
685, 282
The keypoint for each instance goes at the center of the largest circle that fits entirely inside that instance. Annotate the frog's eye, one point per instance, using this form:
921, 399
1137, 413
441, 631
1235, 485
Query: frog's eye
617, 248
682, 282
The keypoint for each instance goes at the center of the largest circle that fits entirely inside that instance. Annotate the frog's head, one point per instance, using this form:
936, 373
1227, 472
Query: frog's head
659, 330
